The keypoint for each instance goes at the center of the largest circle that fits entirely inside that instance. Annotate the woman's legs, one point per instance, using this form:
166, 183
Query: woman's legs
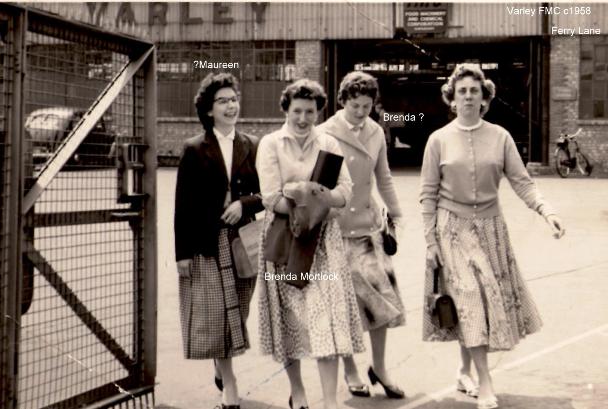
230, 394
465, 356
480, 358
378, 341
298, 394
351, 372
328, 372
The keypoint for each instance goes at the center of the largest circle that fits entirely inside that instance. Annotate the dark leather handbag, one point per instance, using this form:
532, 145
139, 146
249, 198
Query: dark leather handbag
278, 240
389, 238
283, 248
443, 306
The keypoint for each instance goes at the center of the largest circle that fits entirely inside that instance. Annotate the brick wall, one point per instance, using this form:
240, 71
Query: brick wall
593, 140
172, 132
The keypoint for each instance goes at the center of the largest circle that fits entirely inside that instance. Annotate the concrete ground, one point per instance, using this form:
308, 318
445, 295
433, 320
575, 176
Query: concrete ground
565, 366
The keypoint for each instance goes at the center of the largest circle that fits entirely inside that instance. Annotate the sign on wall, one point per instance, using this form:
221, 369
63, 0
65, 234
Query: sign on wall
425, 17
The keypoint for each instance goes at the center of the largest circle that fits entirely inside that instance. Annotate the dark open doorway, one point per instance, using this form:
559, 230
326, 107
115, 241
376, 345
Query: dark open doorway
410, 81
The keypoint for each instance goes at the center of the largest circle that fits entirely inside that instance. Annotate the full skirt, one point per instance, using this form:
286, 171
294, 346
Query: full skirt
214, 305
375, 283
480, 273
319, 321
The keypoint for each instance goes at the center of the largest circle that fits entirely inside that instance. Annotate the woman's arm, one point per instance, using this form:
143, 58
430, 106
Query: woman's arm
526, 188
430, 179
269, 174
184, 203
384, 181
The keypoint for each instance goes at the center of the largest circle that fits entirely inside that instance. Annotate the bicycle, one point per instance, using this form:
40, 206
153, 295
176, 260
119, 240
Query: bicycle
565, 161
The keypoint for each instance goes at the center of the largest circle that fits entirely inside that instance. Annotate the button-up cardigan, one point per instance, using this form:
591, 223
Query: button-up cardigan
462, 169
366, 157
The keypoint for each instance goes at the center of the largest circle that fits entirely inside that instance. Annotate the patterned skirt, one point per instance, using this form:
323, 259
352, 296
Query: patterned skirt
319, 321
214, 305
375, 283
480, 273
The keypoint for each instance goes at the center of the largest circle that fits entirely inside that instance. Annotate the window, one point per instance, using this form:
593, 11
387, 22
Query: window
593, 101
264, 68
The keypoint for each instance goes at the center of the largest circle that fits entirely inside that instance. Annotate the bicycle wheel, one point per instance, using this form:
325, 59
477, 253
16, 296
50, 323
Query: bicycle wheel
583, 164
562, 163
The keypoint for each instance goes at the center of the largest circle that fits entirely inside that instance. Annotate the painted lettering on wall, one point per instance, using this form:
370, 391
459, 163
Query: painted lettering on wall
158, 11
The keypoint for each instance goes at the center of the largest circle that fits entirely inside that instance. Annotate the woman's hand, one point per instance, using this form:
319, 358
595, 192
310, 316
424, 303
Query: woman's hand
433, 256
233, 213
184, 267
556, 226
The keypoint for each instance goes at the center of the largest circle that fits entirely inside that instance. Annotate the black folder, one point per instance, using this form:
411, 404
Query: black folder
327, 169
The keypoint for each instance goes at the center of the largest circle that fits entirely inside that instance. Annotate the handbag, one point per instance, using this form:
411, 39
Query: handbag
442, 305
245, 249
278, 240
389, 237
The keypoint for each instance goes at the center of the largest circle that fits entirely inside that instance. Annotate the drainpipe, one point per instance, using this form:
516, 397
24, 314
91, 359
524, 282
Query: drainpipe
545, 85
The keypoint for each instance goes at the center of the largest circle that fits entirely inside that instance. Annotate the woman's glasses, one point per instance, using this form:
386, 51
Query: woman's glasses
225, 100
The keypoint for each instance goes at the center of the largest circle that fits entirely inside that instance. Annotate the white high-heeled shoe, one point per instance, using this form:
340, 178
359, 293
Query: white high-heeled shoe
488, 403
466, 385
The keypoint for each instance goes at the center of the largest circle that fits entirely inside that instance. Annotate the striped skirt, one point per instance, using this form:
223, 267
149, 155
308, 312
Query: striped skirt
480, 273
214, 305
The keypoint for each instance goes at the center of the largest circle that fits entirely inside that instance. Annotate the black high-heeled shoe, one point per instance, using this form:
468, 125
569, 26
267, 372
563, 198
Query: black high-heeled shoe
391, 391
218, 381
291, 404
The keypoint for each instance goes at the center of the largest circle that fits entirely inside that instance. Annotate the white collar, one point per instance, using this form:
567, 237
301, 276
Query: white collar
287, 132
220, 135
469, 128
351, 127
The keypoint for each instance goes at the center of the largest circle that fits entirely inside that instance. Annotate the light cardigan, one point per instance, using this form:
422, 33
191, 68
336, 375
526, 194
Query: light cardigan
365, 155
281, 160
462, 169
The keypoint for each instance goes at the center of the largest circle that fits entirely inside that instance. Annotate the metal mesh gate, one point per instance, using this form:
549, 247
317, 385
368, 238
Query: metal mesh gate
84, 314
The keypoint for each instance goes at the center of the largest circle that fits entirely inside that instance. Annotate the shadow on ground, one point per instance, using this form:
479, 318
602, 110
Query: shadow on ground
245, 404
506, 401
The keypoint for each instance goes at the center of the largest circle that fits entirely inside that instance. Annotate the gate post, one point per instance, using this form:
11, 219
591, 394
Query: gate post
12, 316
150, 240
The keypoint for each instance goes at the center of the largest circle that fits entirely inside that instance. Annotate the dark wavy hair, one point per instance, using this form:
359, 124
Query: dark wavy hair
357, 83
303, 89
203, 101
488, 89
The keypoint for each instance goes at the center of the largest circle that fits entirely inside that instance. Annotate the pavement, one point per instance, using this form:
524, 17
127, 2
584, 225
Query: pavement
564, 366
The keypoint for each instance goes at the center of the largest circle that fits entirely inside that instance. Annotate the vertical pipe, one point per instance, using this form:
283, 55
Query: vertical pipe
15, 132
150, 244
545, 87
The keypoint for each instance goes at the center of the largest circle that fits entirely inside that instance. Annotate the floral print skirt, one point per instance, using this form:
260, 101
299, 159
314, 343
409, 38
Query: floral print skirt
319, 321
480, 273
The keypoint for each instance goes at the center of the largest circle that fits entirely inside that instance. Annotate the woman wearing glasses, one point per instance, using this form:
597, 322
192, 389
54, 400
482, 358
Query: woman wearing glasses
217, 192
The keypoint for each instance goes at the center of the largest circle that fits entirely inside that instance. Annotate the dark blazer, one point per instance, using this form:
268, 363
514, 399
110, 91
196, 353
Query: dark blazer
201, 188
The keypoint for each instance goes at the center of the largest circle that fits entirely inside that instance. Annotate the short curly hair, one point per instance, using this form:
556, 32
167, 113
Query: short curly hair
488, 89
303, 89
357, 83
203, 101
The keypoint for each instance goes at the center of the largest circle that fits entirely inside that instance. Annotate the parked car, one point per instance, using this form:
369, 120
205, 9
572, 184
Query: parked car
46, 128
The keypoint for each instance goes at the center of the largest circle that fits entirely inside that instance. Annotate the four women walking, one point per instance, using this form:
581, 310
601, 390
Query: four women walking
221, 184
